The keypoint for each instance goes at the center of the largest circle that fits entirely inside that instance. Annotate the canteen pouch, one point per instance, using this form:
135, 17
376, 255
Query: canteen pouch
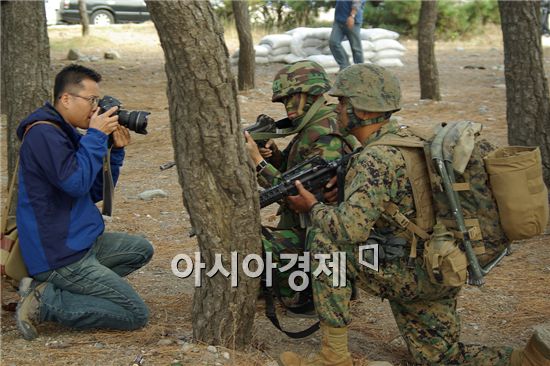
445, 263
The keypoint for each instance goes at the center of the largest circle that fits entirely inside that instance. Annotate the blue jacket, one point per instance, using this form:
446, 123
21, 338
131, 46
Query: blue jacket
343, 11
60, 179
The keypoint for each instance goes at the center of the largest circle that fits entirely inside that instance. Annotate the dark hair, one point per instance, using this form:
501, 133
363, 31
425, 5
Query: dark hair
72, 75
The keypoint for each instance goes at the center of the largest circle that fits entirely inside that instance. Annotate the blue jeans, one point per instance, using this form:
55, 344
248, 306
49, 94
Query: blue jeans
91, 292
339, 32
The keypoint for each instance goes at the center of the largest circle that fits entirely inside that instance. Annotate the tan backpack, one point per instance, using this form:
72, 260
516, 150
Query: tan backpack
499, 193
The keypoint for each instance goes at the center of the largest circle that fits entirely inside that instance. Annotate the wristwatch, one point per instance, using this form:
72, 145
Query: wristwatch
261, 165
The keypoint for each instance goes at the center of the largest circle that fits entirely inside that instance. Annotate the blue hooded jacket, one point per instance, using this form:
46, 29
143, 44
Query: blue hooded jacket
343, 10
60, 179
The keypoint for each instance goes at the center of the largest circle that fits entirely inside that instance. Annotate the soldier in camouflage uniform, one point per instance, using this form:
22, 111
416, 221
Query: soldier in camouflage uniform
300, 87
425, 312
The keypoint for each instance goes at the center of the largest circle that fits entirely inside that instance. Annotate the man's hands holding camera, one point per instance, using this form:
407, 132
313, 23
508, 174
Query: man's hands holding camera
105, 122
108, 124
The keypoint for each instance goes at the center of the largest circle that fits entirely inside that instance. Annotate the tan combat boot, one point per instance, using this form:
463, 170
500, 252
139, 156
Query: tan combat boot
537, 350
334, 351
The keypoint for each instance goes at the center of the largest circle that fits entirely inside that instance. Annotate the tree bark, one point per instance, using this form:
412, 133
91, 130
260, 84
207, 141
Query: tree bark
84, 20
427, 65
246, 45
527, 98
219, 185
25, 66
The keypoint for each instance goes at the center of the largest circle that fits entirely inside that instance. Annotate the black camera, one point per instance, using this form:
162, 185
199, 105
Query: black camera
133, 120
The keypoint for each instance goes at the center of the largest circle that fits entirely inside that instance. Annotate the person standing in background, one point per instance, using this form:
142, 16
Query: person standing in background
348, 18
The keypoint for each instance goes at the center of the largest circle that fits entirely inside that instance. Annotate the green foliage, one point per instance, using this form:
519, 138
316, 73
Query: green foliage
455, 19
276, 15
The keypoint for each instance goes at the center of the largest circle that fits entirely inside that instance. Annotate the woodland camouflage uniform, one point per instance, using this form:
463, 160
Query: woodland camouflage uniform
320, 136
425, 313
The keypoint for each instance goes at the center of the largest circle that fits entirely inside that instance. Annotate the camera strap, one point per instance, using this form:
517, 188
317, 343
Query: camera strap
108, 185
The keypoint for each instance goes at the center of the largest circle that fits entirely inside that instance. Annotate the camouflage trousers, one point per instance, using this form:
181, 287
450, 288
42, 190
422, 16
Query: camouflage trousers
425, 313
283, 241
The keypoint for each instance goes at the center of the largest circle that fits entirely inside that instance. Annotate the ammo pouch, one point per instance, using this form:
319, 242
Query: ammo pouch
515, 173
445, 263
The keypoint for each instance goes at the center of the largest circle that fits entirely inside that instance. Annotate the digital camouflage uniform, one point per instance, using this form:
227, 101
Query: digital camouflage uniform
319, 136
424, 312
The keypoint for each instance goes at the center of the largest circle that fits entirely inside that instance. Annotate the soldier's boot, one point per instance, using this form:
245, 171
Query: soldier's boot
28, 307
537, 350
334, 351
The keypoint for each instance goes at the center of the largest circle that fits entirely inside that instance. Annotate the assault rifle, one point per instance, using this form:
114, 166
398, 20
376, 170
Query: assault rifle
314, 173
266, 124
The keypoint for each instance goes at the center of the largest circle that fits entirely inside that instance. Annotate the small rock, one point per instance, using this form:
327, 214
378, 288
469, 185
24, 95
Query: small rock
149, 195
490, 119
459, 49
111, 55
74, 54
58, 344
165, 342
93, 58
186, 347
99, 345
122, 67
499, 86
242, 98
483, 109
107, 218
212, 349
272, 363
226, 355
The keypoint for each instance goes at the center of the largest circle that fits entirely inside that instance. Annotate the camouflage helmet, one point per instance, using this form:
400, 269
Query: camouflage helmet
369, 87
300, 77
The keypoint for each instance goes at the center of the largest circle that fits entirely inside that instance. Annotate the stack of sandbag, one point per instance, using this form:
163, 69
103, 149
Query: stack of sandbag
379, 45
261, 57
278, 46
386, 50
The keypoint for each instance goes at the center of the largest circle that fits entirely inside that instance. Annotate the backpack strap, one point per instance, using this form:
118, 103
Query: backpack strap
13, 182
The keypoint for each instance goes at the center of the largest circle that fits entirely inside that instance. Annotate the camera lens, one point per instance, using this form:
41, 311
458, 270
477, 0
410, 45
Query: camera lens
134, 120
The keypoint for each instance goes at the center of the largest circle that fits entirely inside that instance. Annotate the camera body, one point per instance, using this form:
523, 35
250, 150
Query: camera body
134, 120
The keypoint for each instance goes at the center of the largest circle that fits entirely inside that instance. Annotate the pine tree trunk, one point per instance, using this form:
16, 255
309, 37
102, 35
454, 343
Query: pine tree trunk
427, 65
246, 45
219, 185
25, 66
527, 98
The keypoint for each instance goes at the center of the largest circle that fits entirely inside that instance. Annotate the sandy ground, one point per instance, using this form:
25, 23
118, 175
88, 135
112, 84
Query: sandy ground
515, 298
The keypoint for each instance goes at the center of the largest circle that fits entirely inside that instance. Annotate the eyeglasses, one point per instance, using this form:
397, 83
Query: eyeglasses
93, 100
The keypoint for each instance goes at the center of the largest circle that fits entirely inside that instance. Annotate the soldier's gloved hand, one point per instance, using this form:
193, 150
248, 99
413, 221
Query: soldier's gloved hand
264, 118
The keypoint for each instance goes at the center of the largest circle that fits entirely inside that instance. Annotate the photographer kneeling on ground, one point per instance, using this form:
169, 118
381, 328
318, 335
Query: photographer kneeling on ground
77, 269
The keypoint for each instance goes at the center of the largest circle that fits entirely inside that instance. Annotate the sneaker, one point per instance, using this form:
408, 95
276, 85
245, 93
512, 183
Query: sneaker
28, 308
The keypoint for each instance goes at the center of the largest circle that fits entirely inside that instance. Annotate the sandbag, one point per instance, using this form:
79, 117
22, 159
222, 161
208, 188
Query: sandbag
515, 175
324, 60
374, 34
292, 58
277, 40
387, 54
277, 58
280, 51
388, 44
389, 62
